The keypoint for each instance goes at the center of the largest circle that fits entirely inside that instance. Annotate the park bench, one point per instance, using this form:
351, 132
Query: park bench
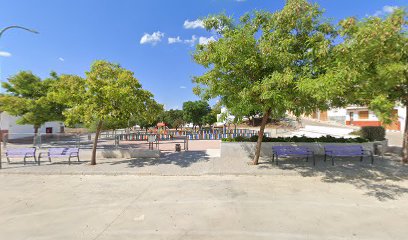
21, 152
60, 152
347, 151
295, 151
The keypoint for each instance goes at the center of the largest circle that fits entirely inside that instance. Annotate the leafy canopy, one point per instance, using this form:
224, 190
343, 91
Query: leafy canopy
107, 93
27, 97
255, 65
173, 118
370, 66
195, 112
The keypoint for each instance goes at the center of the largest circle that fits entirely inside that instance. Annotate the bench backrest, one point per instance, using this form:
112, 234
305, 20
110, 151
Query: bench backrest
344, 149
290, 150
20, 151
62, 151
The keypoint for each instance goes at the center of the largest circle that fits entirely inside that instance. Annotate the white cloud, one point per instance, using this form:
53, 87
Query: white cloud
172, 40
193, 24
385, 10
5, 54
153, 38
205, 40
61, 59
183, 87
191, 41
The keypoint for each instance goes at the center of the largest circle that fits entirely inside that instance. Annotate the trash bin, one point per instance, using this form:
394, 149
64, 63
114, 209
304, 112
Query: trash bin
178, 147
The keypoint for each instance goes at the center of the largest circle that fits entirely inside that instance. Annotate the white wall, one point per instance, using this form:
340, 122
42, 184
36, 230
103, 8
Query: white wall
402, 115
15, 130
371, 115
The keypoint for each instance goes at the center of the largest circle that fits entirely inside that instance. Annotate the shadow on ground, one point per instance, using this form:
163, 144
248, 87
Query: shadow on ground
182, 159
379, 180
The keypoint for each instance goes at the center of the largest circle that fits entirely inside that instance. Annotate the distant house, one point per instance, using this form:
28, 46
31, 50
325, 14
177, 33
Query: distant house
360, 116
9, 126
334, 115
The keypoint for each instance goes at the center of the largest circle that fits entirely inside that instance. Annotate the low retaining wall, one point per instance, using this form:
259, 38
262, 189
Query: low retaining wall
128, 153
247, 149
85, 154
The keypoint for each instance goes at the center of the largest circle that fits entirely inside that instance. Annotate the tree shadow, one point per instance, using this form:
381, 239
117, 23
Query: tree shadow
378, 180
182, 159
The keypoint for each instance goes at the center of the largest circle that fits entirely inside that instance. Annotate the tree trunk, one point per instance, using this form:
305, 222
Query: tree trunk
405, 137
260, 136
35, 138
95, 144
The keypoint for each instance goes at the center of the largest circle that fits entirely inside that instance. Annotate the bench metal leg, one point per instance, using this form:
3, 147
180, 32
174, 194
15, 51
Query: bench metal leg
8, 160
314, 160
24, 160
325, 157
361, 158
332, 158
273, 157
69, 160
277, 160
372, 159
307, 158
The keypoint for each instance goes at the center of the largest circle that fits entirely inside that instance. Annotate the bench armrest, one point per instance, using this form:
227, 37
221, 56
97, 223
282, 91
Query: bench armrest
73, 153
41, 153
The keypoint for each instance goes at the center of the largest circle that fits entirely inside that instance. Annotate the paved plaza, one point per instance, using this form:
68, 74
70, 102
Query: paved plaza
199, 207
196, 194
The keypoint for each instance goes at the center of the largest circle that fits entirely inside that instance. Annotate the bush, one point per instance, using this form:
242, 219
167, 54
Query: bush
323, 139
373, 133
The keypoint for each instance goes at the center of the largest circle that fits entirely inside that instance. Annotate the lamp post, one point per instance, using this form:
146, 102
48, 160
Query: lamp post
1, 34
15, 26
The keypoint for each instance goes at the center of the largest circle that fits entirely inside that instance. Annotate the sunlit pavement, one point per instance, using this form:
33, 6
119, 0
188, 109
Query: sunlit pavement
203, 207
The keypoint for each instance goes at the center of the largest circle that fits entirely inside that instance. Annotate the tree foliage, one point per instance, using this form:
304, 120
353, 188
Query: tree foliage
173, 118
255, 65
107, 93
196, 112
27, 97
369, 66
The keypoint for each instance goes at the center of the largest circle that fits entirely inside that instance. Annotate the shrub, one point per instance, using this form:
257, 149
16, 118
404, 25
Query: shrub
323, 139
373, 133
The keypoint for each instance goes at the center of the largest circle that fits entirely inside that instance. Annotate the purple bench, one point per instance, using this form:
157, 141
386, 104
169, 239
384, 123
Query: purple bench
61, 152
21, 152
295, 151
347, 151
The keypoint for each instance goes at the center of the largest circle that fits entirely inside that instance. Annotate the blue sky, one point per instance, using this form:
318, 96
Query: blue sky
73, 33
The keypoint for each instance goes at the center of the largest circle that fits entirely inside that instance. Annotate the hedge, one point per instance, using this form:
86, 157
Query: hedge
372, 133
323, 139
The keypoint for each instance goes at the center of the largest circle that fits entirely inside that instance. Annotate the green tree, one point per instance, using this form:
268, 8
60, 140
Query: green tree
151, 117
370, 67
26, 97
107, 93
194, 112
255, 65
174, 118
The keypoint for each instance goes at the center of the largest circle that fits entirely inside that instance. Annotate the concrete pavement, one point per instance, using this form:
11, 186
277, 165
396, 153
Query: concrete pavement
205, 207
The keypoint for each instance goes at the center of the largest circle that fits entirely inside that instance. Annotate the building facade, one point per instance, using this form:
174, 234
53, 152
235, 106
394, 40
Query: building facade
361, 116
9, 126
